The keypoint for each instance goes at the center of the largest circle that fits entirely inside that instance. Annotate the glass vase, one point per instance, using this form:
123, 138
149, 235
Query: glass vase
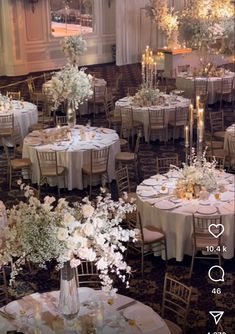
71, 114
69, 304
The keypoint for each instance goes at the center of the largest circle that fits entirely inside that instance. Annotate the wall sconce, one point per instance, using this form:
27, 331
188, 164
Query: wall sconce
33, 2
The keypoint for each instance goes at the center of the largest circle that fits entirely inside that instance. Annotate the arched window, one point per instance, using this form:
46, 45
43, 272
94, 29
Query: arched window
71, 17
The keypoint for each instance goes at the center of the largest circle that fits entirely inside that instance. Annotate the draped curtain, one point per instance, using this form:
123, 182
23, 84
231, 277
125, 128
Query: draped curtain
134, 30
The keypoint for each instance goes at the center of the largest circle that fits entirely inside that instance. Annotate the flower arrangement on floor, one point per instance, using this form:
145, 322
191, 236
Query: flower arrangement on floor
71, 85
146, 97
197, 178
39, 232
73, 47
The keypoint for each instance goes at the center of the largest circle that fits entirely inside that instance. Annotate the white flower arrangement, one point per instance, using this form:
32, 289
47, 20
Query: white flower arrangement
4, 99
73, 47
146, 97
39, 232
200, 176
166, 17
71, 85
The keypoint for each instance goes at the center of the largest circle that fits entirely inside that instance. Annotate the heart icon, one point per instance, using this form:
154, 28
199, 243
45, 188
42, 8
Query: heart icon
216, 227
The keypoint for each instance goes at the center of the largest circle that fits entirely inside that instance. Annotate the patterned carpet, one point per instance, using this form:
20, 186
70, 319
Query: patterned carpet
147, 290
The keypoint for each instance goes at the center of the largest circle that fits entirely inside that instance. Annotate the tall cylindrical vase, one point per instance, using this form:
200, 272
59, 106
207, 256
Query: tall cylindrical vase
69, 304
71, 114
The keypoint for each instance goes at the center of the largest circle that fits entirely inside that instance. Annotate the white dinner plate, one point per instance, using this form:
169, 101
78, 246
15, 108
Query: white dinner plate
147, 193
165, 205
150, 182
206, 209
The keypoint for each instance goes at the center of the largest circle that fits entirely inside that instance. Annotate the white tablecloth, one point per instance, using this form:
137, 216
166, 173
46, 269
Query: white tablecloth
214, 84
176, 222
23, 116
50, 322
74, 154
141, 113
229, 142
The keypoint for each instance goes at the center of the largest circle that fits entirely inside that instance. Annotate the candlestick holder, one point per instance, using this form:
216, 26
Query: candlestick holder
186, 154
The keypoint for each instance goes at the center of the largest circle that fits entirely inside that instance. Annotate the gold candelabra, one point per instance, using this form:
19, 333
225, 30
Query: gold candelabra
149, 69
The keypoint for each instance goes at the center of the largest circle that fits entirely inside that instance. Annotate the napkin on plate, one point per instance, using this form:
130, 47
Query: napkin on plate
145, 319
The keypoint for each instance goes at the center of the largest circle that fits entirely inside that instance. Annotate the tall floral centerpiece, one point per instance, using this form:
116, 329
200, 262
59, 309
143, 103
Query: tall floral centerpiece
40, 232
73, 47
166, 18
196, 178
205, 23
72, 87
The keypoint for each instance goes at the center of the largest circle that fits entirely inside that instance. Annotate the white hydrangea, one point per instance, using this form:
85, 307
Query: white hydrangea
73, 47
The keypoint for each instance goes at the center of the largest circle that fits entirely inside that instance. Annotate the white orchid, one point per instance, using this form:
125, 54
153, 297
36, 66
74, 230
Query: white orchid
40, 232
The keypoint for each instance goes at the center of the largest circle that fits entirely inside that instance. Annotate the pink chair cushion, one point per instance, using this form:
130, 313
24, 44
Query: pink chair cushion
151, 236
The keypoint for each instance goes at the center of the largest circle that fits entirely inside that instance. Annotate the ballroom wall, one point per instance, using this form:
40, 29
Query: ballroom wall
26, 43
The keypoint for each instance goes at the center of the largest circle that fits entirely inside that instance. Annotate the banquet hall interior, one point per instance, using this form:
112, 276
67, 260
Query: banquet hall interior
117, 166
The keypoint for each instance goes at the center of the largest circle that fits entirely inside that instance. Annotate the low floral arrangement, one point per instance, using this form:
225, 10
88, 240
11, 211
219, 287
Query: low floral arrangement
197, 178
73, 47
3, 99
39, 232
146, 97
70, 85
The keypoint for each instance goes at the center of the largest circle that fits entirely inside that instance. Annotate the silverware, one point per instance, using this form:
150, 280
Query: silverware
126, 305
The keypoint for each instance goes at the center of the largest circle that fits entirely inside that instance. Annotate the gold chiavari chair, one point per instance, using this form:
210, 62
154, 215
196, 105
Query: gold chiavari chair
217, 124
202, 238
150, 240
123, 185
98, 100
201, 90
98, 165
131, 91
14, 95
225, 91
61, 120
49, 168
128, 125
163, 164
113, 117
181, 116
220, 161
88, 275
130, 158
16, 166
6, 125
176, 303
157, 122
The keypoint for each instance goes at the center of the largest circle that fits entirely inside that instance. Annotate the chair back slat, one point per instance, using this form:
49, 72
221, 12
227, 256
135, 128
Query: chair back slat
201, 229
100, 158
14, 95
181, 115
88, 275
163, 164
7, 122
61, 120
217, 121
122, 179
157, 117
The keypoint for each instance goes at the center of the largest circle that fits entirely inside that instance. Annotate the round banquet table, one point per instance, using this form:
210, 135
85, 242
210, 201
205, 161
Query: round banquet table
186, 83
74, 153
24, 115
141, 113
83, 108
175, 216
39, 311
